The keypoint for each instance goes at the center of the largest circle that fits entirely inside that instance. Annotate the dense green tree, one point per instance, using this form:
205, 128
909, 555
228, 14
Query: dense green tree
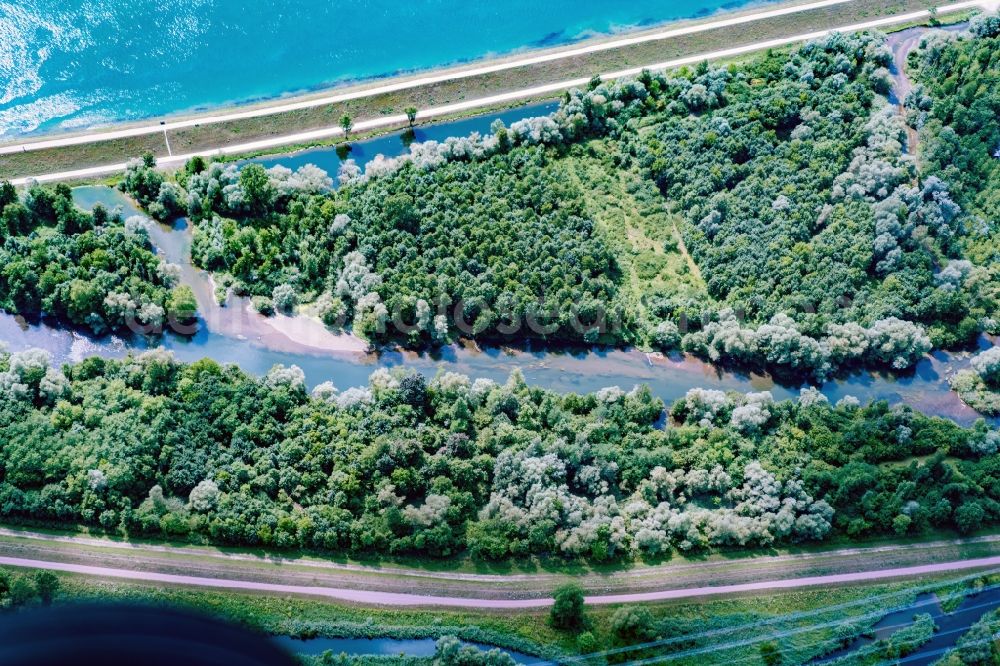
46, 585
147, 445
346, 124
567, 610
257, 188
631, 625
22, 591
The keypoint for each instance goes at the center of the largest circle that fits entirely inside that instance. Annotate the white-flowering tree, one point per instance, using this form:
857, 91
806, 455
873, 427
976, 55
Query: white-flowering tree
325, 391
985, 25
205, 496
810, 396
354, 397
349, 173
356, 279
284, 297
307, 179
53, 385
97, 480
666, 336
432, 512
169, 274
751, 416
339, 224
291, 377
897, 343
846, 343
987, 365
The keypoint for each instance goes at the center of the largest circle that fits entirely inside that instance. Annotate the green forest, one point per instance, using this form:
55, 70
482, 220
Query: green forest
448, 466
765, 214
809, 240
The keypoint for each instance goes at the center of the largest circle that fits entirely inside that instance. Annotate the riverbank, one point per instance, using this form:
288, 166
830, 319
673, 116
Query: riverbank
235, 318
237, 334
379, 107
310, 333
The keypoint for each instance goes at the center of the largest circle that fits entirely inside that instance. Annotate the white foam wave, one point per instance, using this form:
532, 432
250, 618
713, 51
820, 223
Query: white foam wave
28, 36
23, 118
88, 120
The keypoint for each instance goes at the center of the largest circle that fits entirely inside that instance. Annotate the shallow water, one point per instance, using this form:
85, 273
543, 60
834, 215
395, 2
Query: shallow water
411, 647
393, 145
73, 64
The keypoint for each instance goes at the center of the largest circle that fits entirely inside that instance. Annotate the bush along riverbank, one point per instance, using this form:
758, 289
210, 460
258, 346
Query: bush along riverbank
553, 228
435, 468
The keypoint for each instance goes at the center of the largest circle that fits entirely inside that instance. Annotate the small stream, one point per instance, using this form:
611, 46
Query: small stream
394, 145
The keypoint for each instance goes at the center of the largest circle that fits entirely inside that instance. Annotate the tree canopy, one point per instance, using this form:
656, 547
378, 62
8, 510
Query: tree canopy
93, 270
406, 465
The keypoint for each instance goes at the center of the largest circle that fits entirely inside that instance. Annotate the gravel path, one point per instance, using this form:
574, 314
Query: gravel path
398, 599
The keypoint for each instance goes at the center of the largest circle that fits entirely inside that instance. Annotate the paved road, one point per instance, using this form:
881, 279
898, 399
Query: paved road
397, 599
493, 100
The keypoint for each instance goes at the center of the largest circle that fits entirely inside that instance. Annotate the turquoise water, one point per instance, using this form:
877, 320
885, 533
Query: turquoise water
72, 64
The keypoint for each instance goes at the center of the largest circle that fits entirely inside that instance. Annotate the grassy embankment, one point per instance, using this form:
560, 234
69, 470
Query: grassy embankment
746, 619
206, 137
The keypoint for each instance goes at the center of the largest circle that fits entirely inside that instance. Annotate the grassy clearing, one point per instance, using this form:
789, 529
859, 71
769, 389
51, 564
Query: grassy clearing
713, 631
633, 216
203, 138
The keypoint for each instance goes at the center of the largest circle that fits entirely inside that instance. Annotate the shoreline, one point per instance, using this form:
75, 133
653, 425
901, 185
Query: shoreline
203, 114
305, 334
316, 122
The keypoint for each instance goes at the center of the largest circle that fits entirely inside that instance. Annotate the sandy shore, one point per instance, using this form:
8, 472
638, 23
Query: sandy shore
305, 332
